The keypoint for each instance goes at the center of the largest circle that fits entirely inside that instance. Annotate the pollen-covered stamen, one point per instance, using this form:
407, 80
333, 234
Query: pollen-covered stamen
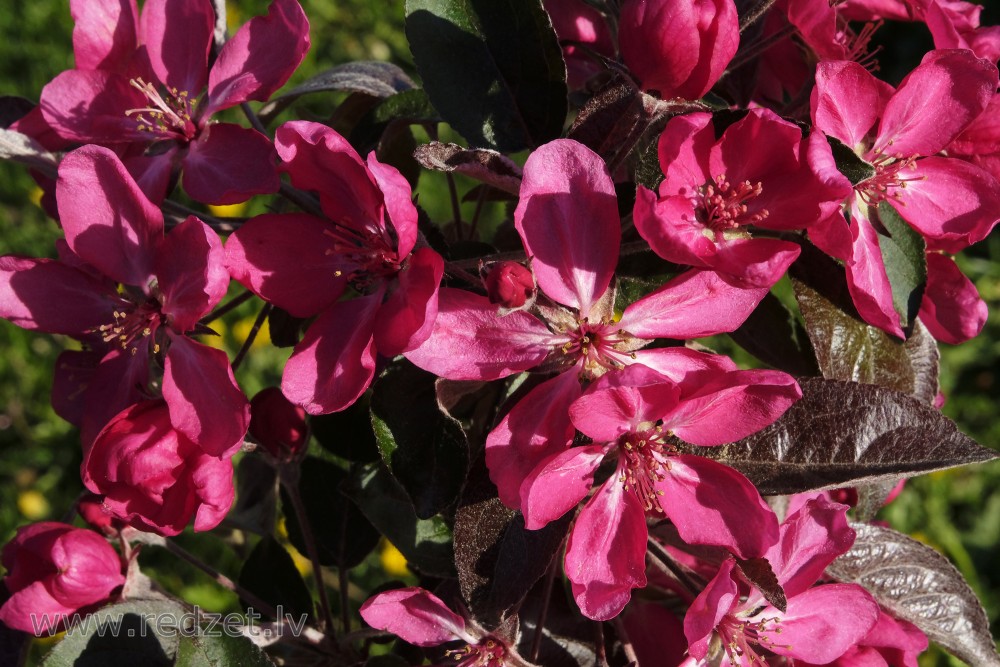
367, 257
134, 327
487, 653
738, 638
643, 463
888, 179
170, 117
597, 346
856, 45
723, 205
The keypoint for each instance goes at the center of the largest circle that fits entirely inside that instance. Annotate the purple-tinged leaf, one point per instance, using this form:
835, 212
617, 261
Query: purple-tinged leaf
759, 573
917, 584
844, 434
484, 165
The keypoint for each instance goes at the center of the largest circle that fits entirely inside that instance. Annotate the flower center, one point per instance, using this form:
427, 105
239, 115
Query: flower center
598, 347
887, 179
856, 45
169, 118
366, 255
740, 637
644, 459
132, 326
487, 653
723, 205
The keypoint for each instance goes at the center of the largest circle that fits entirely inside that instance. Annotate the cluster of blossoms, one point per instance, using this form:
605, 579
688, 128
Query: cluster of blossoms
612, 427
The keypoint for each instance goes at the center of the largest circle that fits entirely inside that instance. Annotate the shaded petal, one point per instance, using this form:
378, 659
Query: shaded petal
154, 173
692, 305
47, 295
710, 503
178, 36
567, 217
90, 106
833, 236
536, 428
683, 150
191, 273
73, 372
951, 309
212, 482
811, 538
283, 259
718, 599
847, 100
107, 219
120, 380
471, 341
406, 318
260, 57
104, 33
606, 552
867, 280
415, 616
34, 610
670, 228
398, 203
558, 483
334, 363
204, 401
229, 164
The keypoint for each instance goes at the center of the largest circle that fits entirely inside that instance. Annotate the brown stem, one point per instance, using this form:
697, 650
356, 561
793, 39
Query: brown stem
755, 14
666, 564
222, 310
252, 336
217, 224
630, 655
536, 641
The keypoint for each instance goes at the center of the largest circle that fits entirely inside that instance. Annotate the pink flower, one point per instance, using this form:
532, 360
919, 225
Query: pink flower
277, 424
567, 218
139, 82
303, 264
153, 477
951, 202
55, 570
114, 236
581, 25
820, 623
631, 416
421, 618
510, 285
757, 174
678, 48
890, 643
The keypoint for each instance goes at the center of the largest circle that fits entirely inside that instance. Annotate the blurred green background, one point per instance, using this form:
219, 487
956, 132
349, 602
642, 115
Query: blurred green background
957, 512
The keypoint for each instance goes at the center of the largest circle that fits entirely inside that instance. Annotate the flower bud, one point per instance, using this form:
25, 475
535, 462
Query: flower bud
54, 570
509, 284
278, 424
91, 508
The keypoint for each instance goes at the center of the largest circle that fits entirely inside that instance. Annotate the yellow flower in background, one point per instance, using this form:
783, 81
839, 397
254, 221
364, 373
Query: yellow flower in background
228, 210
32, 505
393, 561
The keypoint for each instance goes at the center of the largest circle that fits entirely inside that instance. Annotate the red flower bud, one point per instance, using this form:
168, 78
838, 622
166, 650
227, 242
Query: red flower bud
91, 508
509, 284
278, 424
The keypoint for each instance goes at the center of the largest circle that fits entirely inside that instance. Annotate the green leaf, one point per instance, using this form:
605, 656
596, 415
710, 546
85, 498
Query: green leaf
776, 337
256, 495
410, 106
426, 543
493, 68
849, 163
220, 650
905, 259
425, 449
270, 573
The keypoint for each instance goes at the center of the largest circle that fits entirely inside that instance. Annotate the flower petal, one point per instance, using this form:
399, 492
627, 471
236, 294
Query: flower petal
398, 203
867, 280
951, 309
104, 33
558, 483
718, 599
406, 319
191, 273
228, 164
90, 105
811, 538
847, 100
178, 36
415, 616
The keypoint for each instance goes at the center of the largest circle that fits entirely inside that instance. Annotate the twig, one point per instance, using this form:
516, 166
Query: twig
218, 224
630, 655
456, 208
479, 209
536, 641
755, 14
252, 336
661, 557
222, 310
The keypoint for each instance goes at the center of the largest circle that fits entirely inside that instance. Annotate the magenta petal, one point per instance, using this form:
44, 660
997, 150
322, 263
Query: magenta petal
712, 504
73, 372
260, 57
811, 538
204, 401
935, 102
334, 362
952, 309
104, 33
606, 552
107, 219
283, 259
178, 36
191, 273
670, 228
568, 220
415, 616
558, 483
213, 480
120, 380
949, 199
47, 295
153, 173
868, 281
847, 100
718, 599
732, 406
34, 603
692, 305
229, 164
756, 262
406, 318
398, 203
90, 105
471, 341
536, 428
620, 402
820, 624
833, 236
683, 150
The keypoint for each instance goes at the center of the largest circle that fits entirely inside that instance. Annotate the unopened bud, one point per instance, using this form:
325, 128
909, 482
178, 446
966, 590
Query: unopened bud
278, 424
509, 284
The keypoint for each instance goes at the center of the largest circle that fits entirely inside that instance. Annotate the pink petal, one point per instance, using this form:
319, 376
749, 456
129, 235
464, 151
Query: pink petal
867, 280
683, 150
678, 362
620, 402
398, 203
260, 57
107, 219
935, 102
154, 173
729, 407
406, 319
758, 262
415, 616
229, 164
558, 483
178, 36
104, 33
204, 401
120, 380
471, 341
568, 220
73, 372
712, 504
949, 199
847, 100
212, 479
606, 552
719, 598
284, 260
536, 428
692, 305
191, 273
833, 236
90, 105
820, 624
334, 363
671, 229
47, 295
811, 538
952, 309
34, 610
